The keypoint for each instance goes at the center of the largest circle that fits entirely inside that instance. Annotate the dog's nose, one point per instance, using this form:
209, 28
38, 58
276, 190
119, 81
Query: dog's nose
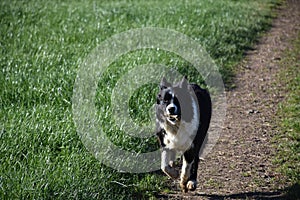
172, 109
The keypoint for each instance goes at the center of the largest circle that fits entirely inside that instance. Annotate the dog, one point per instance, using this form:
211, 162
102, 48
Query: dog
183, 114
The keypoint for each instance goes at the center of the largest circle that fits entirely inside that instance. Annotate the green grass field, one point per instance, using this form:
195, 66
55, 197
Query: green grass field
42, 43
289, 111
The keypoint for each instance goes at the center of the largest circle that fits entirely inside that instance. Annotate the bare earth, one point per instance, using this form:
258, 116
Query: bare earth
241, 163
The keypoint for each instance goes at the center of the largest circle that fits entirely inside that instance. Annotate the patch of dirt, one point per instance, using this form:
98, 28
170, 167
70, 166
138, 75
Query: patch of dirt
241, 163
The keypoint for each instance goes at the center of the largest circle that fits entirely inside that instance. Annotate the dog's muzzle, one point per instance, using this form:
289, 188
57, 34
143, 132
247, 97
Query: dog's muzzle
172, 113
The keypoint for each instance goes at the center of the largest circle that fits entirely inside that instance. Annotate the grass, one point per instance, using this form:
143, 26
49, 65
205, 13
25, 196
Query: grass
289, 111
42, 43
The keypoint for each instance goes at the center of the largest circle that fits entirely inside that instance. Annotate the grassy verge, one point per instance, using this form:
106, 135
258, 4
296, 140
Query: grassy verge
289, 112
42, 43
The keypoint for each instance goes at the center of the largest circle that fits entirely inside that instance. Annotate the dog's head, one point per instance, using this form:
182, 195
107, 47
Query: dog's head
174, 102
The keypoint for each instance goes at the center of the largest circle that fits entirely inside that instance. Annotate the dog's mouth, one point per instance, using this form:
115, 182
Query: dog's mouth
173, 119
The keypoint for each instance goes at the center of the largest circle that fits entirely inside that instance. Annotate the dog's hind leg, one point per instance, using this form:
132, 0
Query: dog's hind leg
192, 183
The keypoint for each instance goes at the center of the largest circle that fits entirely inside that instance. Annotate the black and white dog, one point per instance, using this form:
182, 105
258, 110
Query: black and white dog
183, 113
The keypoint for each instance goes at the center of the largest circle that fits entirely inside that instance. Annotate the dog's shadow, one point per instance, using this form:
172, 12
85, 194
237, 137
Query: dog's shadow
247, 195
289, 193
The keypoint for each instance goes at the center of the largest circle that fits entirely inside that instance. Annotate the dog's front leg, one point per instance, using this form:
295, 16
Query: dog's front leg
167, 163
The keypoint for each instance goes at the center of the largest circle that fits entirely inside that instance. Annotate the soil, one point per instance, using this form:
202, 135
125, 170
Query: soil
241, 164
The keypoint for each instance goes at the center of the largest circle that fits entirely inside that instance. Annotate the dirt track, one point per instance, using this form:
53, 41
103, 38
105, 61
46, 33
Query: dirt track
240, 164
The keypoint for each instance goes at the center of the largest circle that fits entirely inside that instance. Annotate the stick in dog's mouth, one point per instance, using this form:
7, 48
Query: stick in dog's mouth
173, 118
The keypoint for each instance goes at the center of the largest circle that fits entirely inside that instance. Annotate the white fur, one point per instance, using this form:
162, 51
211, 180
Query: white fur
186, 133
191, 185
185, 174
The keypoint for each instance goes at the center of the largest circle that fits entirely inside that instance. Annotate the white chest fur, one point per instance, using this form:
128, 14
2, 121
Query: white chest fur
182, 140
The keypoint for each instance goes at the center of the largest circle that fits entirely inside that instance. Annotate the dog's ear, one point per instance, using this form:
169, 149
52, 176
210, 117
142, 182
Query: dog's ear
183, 83
164, 83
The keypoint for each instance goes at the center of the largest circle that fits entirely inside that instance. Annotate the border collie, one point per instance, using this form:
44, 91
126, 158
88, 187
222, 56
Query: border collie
183, 113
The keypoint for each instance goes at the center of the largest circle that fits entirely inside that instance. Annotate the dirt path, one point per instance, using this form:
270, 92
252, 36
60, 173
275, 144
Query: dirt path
240, 165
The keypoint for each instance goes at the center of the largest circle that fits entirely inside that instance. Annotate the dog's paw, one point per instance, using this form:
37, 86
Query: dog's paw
183, 187
171, 172
191, 185
172, 164
188, 186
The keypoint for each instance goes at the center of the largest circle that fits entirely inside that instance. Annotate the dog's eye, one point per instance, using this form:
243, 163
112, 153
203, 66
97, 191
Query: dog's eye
162, 87
158, 99
167, 97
